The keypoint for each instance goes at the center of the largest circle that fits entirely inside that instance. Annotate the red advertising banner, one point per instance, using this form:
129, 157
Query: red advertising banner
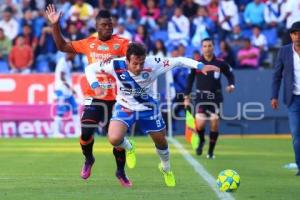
31, 121
31, 88
27, 108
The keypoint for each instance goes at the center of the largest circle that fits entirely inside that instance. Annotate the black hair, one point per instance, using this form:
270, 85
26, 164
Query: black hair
256, 26
103, 14
9, 9
227, 47
137, 49
207, 40
163, 48
196, 52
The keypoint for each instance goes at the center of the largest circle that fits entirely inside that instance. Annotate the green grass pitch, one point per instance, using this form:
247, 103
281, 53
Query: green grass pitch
48, 169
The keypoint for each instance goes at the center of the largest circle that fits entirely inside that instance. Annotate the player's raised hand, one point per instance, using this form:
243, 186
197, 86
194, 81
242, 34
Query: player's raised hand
52, 15
208, 68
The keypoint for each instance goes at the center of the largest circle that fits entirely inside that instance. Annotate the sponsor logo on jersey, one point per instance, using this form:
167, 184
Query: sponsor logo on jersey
157, 60
123, 76
92, 45
103, 47
135, 92
100, 56
116, 46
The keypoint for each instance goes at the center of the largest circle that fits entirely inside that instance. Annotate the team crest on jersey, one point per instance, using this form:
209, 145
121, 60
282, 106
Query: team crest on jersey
145, 75
116, 46
123, 76
166, 63
103, 47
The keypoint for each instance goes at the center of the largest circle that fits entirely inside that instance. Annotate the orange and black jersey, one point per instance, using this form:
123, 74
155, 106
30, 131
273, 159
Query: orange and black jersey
97, 50
209, 87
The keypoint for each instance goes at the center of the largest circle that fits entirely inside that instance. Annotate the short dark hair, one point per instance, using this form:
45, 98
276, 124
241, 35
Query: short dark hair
103, 14
137, 49
9, 9
207, 40
246, 39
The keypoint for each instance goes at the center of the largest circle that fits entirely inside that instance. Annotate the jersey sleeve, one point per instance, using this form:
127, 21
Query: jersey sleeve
92, 71
124, 47
190, 82
228, 72
161, 65
80, 46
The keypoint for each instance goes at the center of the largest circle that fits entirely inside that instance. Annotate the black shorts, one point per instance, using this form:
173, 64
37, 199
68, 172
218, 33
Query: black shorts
208, 108
97, 111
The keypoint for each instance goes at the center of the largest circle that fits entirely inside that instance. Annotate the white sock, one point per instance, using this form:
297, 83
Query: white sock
164, 156
125, 144
57, 125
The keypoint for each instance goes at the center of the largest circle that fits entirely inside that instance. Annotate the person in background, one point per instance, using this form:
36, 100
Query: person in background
65, 96
20, 57
226, 53
9, 24
286, 69
209, 96
178, 29
259, 41
254, 14
248, 56
159, 49
5, 47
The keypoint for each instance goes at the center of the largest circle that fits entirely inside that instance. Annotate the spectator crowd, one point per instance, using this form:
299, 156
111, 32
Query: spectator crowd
244, 31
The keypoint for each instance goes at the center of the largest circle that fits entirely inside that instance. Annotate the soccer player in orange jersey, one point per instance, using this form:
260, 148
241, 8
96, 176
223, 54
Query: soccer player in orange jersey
97, 108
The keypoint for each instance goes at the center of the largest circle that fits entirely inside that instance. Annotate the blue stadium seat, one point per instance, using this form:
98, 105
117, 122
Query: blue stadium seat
4, 68
271, 36
161, 34
189, 50
246, 33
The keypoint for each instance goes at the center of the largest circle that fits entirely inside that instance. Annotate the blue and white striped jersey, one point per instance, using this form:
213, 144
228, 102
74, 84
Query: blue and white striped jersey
135, 92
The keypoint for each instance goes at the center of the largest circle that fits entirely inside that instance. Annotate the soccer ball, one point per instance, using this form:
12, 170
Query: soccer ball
228, 180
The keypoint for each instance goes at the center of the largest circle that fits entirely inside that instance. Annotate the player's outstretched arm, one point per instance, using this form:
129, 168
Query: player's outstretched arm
92, 72
53, 17
190, 63
163, 65
208, 68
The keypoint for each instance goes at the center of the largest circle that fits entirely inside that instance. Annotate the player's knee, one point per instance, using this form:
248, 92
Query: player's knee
115, 140
214, 128
161, 142
86, 139
86, 134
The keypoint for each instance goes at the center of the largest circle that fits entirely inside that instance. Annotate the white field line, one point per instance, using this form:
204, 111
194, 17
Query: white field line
200, 170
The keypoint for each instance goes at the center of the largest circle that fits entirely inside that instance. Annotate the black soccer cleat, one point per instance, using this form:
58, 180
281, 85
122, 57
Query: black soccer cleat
199, 149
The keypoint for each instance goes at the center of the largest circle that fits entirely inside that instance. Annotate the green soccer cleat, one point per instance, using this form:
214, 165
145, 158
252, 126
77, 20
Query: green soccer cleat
130, 156
169, 176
